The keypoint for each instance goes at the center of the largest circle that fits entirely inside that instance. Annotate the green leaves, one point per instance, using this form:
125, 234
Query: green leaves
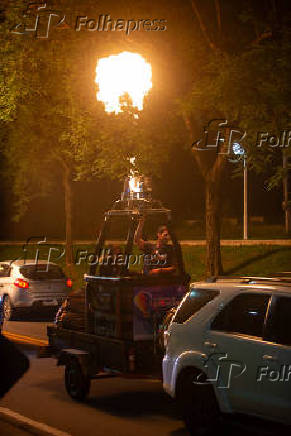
56, 121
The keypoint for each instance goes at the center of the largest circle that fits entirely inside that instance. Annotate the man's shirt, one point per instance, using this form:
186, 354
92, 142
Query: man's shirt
157, 257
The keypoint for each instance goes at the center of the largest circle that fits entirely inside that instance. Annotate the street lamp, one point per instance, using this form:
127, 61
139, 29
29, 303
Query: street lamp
239, 151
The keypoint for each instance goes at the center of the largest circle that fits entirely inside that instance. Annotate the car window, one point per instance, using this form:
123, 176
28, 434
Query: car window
193, 302
42, 272
245, 314
280, 330
4, 270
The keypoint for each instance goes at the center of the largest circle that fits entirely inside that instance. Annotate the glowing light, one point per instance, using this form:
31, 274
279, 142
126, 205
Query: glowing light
238, 149
122, 74
135, 184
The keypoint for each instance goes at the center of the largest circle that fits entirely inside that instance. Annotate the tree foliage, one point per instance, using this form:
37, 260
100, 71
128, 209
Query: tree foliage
12, 52
60, 132
244, 81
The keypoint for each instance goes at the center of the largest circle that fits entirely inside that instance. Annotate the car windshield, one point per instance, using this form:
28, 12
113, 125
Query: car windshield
42, 272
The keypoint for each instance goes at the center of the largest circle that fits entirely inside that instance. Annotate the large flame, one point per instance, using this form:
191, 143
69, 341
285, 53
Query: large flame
117, 76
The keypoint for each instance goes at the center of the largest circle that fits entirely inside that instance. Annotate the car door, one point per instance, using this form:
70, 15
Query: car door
231, 347
273, 380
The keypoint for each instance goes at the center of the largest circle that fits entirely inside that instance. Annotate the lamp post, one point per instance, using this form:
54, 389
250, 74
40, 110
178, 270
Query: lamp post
245, 197
239, 151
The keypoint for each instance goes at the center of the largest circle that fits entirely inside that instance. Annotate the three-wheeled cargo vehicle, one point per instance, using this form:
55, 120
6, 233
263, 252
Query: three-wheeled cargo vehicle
133, 283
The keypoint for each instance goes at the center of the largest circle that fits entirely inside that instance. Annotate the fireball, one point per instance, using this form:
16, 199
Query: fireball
125, 74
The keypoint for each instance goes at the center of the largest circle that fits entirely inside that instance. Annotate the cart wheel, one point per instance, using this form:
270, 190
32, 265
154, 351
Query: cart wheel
76, 382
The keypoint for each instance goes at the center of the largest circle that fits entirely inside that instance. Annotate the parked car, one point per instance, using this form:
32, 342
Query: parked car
228, 349
27, 285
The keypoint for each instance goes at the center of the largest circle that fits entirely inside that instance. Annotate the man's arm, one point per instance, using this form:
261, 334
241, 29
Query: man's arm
169, 261
138, 234
163, 270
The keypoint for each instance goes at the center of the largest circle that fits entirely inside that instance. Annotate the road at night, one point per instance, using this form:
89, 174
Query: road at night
32, 329
115, 406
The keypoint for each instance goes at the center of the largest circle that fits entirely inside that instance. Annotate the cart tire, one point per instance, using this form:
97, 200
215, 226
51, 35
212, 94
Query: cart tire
76, 382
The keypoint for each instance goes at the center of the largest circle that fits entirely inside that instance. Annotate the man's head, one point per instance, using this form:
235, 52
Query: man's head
163, 234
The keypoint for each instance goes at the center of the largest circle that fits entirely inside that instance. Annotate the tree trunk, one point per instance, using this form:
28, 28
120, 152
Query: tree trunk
212, 227
68, 214
212, 177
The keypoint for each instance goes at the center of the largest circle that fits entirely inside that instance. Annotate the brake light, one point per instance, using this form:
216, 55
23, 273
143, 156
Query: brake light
69, 283
20, 283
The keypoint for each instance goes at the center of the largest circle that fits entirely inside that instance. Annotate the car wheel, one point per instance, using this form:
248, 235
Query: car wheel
76, 382
8, 309
197, 404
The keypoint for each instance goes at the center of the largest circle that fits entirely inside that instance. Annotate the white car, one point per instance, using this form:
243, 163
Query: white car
228, 349
26, 285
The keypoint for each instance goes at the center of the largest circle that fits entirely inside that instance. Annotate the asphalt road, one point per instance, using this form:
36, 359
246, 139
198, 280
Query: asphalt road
115, 406
34, 329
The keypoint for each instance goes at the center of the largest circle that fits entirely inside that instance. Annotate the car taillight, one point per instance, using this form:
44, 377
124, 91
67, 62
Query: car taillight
20, 283
69, 283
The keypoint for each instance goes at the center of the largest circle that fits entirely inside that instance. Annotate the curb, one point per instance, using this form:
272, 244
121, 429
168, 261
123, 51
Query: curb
30, 426
25, 339
20, 425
